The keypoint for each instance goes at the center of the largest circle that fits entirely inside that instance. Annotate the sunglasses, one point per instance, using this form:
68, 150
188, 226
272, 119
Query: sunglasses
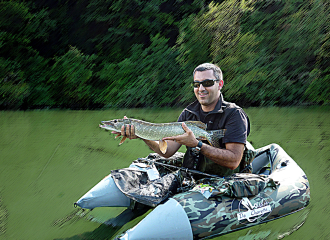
205, 83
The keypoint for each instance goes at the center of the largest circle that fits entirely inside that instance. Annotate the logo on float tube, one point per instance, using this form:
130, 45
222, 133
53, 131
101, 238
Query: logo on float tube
249, 211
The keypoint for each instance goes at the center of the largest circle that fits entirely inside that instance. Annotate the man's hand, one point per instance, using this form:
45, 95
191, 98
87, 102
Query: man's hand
188, 138
127, 131
229, 157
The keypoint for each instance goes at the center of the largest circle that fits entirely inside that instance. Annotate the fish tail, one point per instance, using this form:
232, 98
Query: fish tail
214, 137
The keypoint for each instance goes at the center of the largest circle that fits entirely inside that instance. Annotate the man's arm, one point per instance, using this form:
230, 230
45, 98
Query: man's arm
229, 157
172, 147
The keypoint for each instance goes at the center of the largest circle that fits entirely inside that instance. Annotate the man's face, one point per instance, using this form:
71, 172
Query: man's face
207, 96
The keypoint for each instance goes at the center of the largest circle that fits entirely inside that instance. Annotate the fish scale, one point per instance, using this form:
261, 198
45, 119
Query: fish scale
158, 131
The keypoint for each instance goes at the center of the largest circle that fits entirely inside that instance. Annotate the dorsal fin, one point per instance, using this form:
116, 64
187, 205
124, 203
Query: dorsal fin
198, 124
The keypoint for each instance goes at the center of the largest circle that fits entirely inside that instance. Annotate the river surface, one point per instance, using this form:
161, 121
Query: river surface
50, 158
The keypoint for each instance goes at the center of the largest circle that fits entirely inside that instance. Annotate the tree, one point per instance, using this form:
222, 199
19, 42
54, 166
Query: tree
148, 78
69, 79
21, 65
319, 89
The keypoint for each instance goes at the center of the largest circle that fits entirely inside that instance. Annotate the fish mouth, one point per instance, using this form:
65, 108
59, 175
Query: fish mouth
112, 125
102, 125
105, 125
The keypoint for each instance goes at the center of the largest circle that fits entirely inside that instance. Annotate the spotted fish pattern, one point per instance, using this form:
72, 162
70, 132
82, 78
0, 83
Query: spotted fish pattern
157, 131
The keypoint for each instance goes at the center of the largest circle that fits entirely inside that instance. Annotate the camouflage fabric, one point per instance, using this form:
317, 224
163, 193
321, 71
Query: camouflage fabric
221, 214
175, 160
247, 185
248, 156
136, 185
239, 185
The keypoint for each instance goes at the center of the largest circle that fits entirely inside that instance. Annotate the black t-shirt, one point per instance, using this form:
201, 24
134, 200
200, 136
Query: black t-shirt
236, 125
225, 115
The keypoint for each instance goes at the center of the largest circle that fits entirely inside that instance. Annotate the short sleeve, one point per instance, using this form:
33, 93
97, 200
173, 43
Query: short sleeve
236, 127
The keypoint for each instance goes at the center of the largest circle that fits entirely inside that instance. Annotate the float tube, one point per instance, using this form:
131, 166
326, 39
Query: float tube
204, 214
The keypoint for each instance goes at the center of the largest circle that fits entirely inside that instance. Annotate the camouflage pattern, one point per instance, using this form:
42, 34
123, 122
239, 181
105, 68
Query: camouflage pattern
248, 156
175, 160
238, 185
221, 214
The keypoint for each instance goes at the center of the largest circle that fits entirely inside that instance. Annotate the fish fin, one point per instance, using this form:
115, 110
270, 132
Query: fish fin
122, 140
117, 135
197, 123
214, 136
163, 146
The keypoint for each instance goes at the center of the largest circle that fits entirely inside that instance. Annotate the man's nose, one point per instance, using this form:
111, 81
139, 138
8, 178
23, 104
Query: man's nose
201, 87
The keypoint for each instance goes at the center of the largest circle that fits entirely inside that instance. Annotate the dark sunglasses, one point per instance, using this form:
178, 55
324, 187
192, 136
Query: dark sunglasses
205, 83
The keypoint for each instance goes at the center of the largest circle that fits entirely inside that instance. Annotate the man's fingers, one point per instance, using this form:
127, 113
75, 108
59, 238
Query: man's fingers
132, 130
185, 128
128, 131
168, 138
122, 130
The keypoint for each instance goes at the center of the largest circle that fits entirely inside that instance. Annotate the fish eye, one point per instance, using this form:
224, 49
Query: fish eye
115, 121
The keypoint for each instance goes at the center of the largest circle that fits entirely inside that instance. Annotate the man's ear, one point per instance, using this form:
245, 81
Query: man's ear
220, 84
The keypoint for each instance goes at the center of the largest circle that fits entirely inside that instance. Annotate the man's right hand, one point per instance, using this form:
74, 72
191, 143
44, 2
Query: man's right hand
126, 131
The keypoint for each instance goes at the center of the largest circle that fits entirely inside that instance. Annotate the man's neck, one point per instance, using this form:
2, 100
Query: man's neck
208, 108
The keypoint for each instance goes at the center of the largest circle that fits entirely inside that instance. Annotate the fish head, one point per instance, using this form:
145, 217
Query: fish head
114, 125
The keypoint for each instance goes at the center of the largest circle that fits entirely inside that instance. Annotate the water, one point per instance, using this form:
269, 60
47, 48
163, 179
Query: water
49, 159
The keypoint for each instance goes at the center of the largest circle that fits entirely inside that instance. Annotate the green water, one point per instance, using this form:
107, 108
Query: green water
49, 159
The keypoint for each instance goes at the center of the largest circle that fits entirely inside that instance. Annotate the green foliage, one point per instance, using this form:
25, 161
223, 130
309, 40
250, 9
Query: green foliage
69, 79
36, 74
13, 88
193, 45
149, 77
23, 69
142, 53
319, 89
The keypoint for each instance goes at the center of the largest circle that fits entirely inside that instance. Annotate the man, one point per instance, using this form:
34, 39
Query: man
211, 109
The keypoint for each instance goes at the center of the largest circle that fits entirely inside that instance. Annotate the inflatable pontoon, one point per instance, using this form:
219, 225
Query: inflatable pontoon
214, 206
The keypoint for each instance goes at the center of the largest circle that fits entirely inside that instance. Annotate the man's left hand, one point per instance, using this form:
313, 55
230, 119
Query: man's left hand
188, 138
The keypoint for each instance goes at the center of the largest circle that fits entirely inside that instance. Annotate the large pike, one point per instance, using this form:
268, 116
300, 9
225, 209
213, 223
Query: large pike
157, 131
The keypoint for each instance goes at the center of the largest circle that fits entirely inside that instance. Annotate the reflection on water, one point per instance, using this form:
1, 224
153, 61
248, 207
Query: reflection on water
107, 229
72, 217
300, 222
256, 236
49, 159
277, 229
